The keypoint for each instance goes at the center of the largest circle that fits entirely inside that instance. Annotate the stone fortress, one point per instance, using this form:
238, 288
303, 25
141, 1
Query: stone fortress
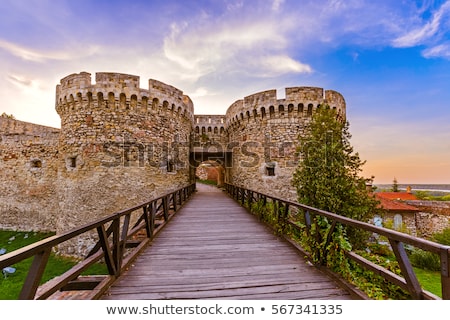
120, 145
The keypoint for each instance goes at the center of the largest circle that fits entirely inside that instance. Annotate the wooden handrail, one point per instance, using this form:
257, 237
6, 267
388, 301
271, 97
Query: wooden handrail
397, 240
114, 234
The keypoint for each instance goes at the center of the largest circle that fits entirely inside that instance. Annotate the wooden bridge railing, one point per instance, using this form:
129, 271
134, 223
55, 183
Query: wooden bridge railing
287, 212
117, 244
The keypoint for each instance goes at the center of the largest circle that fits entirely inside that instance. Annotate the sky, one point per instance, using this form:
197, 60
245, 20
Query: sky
390, 59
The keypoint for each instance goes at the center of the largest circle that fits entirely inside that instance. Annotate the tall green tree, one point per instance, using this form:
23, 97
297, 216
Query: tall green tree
328, 175
395, 185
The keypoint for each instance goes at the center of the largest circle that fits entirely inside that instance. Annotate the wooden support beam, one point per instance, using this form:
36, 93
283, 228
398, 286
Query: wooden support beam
117, 248
445, 273
34, 276
412, 283
145, 214
166, 208
103, 239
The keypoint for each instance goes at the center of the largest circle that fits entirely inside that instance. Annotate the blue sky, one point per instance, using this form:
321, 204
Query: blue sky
389, 58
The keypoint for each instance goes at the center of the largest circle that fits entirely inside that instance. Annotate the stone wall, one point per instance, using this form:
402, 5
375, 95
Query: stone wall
434, 216
28, 170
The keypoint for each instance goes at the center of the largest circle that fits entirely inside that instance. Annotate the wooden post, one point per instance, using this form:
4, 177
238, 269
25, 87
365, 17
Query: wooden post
147, 221
307, 222
445, 273
275, 209
165, 208
327, 242
152, 214
174, 200
412, 283
116, 252
284, 217
34, 276
103, 238
125, 227
318, 237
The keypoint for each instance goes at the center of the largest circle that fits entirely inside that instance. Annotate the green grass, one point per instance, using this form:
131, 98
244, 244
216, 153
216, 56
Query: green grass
430, 280
432, 195
11, 285
210, 182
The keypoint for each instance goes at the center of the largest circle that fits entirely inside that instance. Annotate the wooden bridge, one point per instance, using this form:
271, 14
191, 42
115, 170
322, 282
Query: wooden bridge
212, 248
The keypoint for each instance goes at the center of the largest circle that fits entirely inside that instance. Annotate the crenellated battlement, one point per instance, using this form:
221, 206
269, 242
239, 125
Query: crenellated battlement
211, 125
74, 81
299, 102
122, 92
119, 93
117, 80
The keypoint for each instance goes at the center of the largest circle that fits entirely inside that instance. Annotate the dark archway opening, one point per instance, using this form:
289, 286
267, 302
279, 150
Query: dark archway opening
212, 165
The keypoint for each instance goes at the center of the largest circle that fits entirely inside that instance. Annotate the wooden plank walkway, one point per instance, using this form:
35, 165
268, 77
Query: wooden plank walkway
215, 249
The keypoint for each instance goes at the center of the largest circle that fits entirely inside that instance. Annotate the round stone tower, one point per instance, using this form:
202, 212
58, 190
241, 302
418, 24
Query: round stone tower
119, 144
264, 133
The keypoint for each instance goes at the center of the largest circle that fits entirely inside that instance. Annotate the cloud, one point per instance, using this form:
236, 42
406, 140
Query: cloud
230, 46
276, 4
21, 52
20, 81
36, 55
200, 92
428, 31
274, 65
442, 50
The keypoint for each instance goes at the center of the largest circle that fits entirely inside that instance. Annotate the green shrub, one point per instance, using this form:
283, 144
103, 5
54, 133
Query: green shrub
267, 213
422, 195
442, 237
425, 260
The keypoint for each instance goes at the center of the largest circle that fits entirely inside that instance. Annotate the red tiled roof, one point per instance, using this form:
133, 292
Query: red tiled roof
396, 195
393, 205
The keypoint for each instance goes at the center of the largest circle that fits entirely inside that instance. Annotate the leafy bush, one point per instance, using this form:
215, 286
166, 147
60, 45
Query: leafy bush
267, 213
374, 285
425, 260
442, 237
428, 260
422, 195
434, 196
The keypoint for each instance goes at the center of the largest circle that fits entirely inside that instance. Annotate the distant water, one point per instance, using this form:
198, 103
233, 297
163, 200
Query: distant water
416, 187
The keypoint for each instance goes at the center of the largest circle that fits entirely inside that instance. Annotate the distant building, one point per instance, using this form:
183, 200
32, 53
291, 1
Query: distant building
399, 196
402, 216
